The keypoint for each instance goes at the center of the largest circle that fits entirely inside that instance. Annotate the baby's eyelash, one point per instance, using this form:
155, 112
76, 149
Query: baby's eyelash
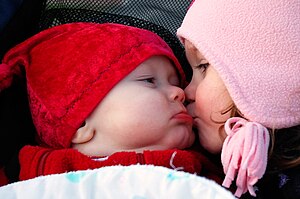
148, 80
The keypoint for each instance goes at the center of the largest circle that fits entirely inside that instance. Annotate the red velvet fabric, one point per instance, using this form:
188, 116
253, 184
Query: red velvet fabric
71, 67
36, 161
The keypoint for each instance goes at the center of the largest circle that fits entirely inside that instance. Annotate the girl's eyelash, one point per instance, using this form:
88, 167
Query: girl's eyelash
203, 67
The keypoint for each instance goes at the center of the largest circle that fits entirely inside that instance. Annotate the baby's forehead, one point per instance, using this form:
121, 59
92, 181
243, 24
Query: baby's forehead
158, 64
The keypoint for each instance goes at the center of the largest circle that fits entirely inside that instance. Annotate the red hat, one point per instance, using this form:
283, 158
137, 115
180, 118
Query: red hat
71, 67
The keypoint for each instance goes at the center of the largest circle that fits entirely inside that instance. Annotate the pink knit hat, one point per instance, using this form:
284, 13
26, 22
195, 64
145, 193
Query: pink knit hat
255, 47
70, 68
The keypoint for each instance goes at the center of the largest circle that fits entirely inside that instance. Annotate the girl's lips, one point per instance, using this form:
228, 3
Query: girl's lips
184, 117
195, 124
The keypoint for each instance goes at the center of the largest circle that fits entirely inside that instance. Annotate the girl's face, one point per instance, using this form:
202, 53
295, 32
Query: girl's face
209, 99
143, 111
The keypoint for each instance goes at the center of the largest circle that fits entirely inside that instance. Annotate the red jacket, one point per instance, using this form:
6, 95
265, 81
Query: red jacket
3, 178
36, 161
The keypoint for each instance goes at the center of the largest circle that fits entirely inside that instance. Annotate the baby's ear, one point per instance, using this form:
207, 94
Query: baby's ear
84, 134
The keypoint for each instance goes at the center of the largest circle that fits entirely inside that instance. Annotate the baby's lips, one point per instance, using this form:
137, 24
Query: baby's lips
184, 116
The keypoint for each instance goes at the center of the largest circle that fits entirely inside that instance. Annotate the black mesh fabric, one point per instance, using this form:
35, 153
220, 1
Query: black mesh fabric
160, 16
166, 13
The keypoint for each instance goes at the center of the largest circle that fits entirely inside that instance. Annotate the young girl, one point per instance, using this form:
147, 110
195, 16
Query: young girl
101, 95
245, 90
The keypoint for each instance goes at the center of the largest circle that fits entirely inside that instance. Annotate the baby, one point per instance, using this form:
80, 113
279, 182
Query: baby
101, 95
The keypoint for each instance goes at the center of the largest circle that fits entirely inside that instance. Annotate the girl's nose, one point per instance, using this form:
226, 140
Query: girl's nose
190, 92
177, 94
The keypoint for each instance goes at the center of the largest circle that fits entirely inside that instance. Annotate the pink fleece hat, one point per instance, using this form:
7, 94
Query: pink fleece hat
255, 47
70, 68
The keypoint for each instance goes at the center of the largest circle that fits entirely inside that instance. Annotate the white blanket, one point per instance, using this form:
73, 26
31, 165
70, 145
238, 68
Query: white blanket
129, 182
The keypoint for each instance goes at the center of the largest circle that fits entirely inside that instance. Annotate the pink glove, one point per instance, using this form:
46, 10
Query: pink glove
244, 154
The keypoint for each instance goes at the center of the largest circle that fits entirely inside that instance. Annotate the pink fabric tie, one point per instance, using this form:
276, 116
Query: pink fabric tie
244, 154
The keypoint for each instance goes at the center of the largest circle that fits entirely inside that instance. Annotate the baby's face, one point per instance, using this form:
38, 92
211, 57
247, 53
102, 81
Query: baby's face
143, 111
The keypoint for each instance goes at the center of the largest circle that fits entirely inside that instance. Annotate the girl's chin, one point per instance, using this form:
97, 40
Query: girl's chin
210, 146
